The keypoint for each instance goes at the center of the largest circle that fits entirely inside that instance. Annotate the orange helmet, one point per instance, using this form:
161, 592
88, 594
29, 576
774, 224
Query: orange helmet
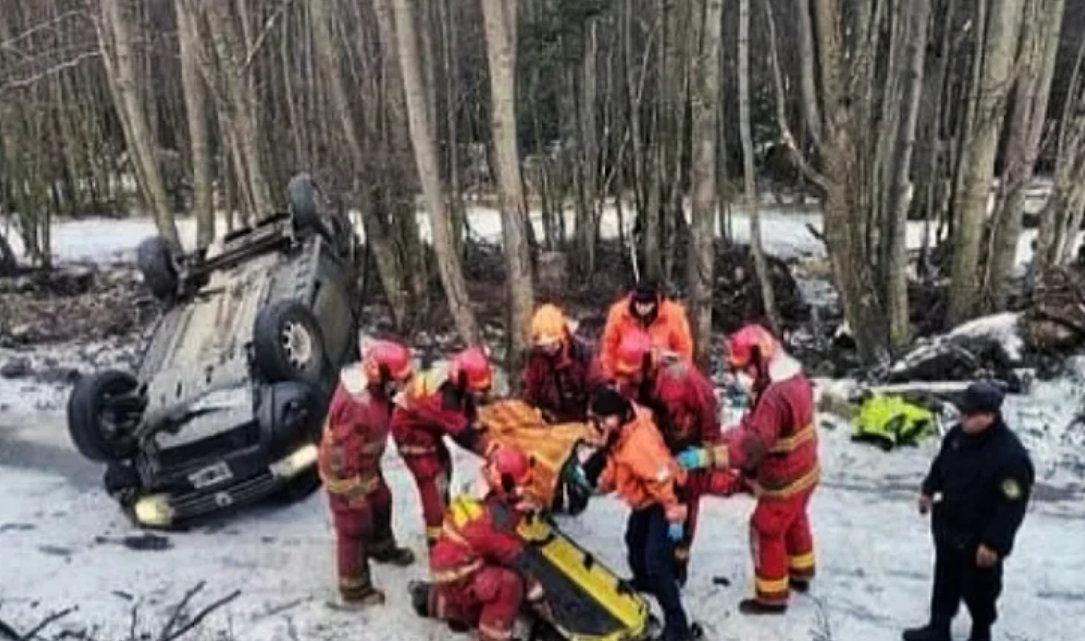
547, 326
634, 348
507, 469
386, 361
751, 344
471, 370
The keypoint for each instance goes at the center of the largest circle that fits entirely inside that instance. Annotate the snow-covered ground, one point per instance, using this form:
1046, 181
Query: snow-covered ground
63, 543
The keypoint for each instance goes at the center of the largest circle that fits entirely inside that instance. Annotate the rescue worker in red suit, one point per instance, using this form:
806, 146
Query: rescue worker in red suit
684, 407
355, 435
646, 309
775, 445
481, 569
560, 370
428, 411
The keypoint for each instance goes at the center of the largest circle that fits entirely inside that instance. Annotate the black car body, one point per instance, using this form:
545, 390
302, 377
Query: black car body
227, 404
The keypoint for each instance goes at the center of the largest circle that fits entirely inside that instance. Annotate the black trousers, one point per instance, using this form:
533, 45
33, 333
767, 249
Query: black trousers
957, 578
651, 558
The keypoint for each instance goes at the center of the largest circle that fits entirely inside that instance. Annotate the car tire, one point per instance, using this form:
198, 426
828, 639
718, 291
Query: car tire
304, 213
155, 261
96, 436
288, 344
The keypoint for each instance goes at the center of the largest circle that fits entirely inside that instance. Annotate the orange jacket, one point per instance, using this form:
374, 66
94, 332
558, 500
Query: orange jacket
641, 469
669, 331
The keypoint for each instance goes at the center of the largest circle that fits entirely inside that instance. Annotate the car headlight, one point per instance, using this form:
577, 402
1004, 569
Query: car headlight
154, 510
298, 461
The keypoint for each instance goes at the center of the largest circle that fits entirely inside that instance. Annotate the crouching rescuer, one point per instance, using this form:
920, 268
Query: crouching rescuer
479, 565
353, 442
775, 446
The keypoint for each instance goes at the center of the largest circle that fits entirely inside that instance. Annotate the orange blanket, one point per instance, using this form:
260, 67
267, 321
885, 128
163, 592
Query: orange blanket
549, 446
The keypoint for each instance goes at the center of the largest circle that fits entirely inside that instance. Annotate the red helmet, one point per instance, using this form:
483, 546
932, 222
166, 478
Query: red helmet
507, 469
386, 361
471, 369
751, 344
632, 350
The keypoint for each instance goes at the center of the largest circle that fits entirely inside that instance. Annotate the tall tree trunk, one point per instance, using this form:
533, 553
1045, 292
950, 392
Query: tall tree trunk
389, 269
978, 160
1035, 70
701, 260
587, 221
749, 201
120, 64
425, 155
195, 94
501, 49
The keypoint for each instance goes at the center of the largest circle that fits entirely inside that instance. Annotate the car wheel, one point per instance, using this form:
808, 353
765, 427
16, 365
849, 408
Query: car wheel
287, 343
303, 208
103, 411
155, 261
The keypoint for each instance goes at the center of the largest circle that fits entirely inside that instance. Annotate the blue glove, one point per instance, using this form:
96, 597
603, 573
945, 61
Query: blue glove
676, 531
695, 458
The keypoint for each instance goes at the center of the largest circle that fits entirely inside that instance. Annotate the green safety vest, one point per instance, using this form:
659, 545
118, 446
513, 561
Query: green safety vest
890, 421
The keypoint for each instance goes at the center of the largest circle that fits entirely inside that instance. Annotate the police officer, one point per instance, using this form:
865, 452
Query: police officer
978, 487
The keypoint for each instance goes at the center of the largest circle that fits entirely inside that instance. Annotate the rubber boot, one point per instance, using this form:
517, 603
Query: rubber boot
360, 597
800, 585
756, 607
420, 597
388, 553
929, 632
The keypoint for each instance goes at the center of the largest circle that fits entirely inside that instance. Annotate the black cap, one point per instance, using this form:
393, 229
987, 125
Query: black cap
608, 401
981, 397
646, 291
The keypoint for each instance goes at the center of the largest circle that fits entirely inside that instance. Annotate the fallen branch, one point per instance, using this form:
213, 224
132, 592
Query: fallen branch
203, 614
49, 620
168, 628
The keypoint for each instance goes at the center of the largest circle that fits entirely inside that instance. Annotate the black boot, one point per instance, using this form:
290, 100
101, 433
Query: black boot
800, 585
754, 606
388, 553
929, 632
980, 633
420, 593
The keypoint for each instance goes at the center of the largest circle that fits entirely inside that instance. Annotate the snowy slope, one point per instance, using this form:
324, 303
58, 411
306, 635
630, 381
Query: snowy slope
60, 541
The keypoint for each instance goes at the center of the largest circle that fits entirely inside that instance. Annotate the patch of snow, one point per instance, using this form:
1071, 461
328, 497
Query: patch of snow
1003, 328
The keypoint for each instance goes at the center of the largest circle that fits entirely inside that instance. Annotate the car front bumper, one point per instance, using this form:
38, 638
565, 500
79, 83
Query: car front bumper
163, 510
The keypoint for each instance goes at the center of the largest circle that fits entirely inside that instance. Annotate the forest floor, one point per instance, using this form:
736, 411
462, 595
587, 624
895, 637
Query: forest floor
64, 544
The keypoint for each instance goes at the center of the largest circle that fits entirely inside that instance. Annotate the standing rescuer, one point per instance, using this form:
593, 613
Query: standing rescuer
480, 566
978, 486
647, 310
775, 446
559, 370
636, 464
355, 435
428, 411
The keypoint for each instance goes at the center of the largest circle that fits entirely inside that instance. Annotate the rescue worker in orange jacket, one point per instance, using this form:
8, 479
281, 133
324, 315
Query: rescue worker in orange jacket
684, 406
560, 370
635, 462
776, 445
428, 411
355, 435
646, 308
481, 568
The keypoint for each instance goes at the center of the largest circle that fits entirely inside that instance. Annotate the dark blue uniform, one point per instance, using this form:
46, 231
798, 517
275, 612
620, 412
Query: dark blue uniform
981, 485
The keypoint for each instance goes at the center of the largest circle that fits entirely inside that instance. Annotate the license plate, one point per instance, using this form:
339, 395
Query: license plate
211, 475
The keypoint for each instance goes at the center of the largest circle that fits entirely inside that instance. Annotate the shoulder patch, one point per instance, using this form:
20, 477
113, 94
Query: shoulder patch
1011, 489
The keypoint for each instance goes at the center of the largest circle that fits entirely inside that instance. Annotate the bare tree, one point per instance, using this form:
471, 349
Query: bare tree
499, 17
195, 94
425, 155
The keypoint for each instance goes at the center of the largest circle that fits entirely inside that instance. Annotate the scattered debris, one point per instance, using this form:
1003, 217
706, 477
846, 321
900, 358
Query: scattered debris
54, 550
16, 368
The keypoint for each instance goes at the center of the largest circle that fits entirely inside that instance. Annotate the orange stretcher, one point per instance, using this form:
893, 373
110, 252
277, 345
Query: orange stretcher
549, 446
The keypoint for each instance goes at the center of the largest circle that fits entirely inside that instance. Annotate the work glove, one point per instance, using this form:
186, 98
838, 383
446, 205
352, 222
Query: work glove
675, 531
694, 458
576, 476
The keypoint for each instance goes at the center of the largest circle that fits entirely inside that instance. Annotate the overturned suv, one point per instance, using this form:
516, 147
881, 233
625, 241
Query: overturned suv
227, 403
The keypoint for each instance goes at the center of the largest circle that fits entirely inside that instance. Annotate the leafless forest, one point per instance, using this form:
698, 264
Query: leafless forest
881, 111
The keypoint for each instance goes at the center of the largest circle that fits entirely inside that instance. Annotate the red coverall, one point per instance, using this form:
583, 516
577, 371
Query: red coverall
355, 435
560, 384
684, 407
423, 415
776, 445
474, 567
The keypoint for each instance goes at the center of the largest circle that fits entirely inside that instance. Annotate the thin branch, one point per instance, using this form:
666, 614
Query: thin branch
49, 620
23, 83
196, 620
268, 26
811, 174
168, 628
